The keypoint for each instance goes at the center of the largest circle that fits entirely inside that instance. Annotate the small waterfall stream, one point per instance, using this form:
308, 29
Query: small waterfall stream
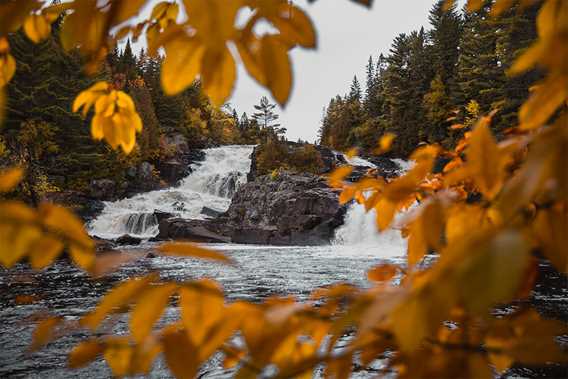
211, 184
360, 227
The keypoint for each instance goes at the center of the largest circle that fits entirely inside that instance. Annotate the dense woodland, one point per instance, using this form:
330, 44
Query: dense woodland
434, 79
42, 132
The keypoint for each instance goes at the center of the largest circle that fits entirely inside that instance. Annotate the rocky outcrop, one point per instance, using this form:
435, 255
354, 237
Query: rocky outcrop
287, 210
291, 209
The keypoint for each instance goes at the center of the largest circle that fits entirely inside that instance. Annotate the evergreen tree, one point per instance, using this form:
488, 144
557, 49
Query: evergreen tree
127, 62
355, 93
480, 73
266, 117
46, 82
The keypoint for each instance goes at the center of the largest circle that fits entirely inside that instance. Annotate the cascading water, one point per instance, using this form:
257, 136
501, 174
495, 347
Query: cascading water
360, 227
211, 184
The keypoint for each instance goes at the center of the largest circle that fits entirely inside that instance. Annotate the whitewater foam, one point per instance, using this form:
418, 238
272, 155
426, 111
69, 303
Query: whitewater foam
211, 184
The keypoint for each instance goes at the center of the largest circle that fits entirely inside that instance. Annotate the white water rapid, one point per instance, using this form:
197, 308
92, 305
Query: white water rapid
360, 227
211, 184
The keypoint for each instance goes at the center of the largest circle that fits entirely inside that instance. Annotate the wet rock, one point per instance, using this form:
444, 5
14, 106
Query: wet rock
160, 215
173, 170
210, 212
291, 209
128, 240
207, 231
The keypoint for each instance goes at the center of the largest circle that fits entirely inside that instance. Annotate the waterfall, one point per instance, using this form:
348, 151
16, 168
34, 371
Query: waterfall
212, 184
360, 227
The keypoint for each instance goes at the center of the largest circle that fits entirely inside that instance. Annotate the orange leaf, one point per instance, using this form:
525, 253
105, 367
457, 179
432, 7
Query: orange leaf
189, 250
382, 273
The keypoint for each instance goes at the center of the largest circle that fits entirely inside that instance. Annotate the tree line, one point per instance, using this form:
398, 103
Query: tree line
434, 84
41, 131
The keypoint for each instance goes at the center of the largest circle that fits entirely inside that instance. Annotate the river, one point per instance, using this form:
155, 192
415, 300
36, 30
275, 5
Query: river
261, 271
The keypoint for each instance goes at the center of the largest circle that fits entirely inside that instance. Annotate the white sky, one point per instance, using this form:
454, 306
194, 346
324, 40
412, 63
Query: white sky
347, 34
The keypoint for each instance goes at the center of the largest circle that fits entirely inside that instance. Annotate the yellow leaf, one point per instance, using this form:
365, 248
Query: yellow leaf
13, 14
385, 143
179, 249
7, 68
493, 266
16, 242
10, 178
551, 230
218, 74
338, 175
118, 354
182, 64
84, 353
123, 10
543, 103
249, 51
474, 5
149, 308
181, 354
386, 210
44, 251
44, 332
426, 232
294, 25
2, 105
484, 161
275, 58
37, 27
382, 273
65, 222
221, 332
121, 295
83, 257
201, 309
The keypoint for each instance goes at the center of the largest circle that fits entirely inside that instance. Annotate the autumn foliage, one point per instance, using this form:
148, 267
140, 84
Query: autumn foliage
494, 207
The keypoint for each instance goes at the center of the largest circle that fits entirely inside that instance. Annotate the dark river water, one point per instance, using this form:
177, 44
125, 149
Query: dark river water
261, 272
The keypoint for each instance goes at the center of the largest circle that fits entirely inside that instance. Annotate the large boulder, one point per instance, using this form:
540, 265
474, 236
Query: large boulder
288, 209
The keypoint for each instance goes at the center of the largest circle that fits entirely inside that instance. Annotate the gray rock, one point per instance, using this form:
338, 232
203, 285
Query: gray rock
210, 212
127, 240
288, 210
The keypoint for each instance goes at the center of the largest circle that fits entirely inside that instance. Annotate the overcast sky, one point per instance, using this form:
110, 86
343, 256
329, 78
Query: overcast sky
347, 34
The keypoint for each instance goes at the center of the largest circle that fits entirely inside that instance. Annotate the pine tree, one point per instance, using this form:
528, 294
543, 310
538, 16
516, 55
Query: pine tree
355, 93
480, 73
127, 62
266, 117
46, 82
